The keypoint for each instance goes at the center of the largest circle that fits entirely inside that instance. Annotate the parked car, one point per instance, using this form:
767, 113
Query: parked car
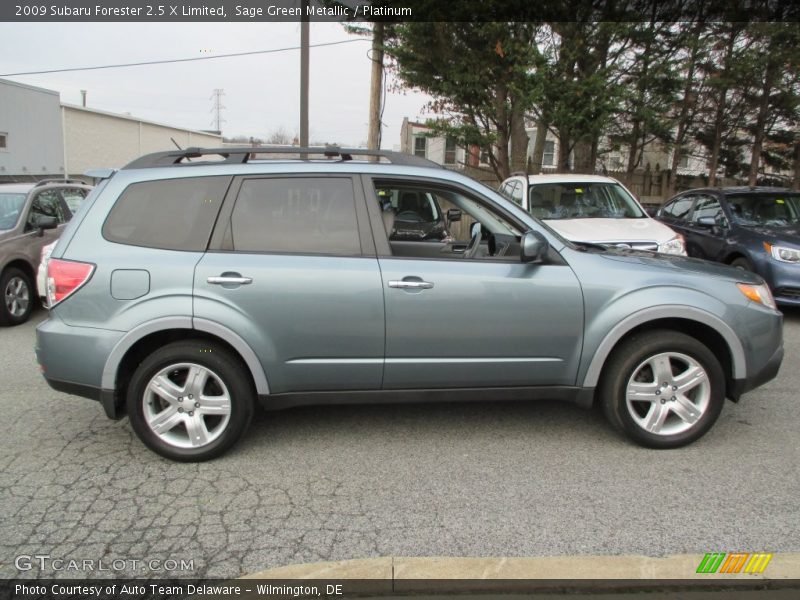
754, 228
591, 208
189, 291
31, 216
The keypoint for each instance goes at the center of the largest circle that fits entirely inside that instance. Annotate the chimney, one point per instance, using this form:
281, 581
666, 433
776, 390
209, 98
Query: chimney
83, 98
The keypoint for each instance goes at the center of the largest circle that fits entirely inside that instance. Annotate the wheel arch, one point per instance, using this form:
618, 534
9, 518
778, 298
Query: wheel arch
699, 324
24, 266
142, 340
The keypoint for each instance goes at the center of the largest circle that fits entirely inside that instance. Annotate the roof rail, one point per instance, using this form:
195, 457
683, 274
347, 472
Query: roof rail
57, 180
242, 155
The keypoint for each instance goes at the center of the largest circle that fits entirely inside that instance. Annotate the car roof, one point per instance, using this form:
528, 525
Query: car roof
570, 178
741, 189
15, 188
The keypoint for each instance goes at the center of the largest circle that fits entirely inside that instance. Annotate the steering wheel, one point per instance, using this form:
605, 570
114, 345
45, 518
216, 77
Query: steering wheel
409, 216
474, 245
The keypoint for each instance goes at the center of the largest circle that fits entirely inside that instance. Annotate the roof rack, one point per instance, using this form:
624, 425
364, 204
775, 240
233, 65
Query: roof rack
55, 180
242, 155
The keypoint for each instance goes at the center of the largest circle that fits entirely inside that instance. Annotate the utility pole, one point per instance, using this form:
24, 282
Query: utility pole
217, 109
304, 27
376, 87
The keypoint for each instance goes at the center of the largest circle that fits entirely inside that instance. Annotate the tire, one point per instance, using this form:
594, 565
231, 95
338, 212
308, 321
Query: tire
217, 409
662, 417
18, 297
742, 263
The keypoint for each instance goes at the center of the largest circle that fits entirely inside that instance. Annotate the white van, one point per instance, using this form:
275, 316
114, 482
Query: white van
591, 208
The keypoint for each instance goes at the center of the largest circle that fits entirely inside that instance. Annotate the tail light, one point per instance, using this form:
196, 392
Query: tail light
65, 277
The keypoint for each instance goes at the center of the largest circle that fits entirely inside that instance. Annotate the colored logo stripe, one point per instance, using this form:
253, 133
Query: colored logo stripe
711, 562
758, 562
735, 562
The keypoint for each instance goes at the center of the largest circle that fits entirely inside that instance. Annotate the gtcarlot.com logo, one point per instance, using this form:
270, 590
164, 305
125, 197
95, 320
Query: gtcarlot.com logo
46, 562
734, 562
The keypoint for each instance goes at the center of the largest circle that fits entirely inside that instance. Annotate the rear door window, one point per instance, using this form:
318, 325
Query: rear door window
171, 214
315, 215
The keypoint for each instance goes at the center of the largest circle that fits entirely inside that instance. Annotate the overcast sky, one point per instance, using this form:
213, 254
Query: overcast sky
261, 92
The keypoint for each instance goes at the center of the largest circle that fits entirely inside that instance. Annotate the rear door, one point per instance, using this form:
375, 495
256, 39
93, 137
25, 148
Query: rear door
292, 270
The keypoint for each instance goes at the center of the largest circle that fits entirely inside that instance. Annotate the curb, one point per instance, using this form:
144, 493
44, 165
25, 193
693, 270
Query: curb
782, 566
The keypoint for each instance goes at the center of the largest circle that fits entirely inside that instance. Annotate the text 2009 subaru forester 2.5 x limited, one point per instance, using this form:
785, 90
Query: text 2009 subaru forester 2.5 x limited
184, 292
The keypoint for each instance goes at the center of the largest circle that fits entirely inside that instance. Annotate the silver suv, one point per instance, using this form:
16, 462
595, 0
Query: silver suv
186, 292
32, 215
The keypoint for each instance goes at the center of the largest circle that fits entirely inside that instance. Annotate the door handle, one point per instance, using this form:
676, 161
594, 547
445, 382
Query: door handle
228, 280
415, 285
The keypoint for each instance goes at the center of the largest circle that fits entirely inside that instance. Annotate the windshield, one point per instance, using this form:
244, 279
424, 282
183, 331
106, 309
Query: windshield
597, 200
777, 210
10, 207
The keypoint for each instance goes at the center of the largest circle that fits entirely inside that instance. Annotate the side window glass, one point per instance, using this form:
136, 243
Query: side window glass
171, 214
46, 204
516, 193
305, 216
680, 208
707, 206
452, 234
74, 197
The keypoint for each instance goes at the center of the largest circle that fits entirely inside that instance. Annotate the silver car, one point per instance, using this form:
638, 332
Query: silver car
186, 293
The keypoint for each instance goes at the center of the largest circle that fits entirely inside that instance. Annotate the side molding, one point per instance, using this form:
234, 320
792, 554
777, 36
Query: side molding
666, 312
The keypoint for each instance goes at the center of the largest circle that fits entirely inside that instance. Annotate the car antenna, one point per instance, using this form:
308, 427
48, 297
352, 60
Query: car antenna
178, 146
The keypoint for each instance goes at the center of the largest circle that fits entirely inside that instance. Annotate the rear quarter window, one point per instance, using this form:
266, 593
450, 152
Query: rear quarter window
170, 214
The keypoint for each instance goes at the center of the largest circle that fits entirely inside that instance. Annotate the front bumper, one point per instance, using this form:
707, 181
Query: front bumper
767, 372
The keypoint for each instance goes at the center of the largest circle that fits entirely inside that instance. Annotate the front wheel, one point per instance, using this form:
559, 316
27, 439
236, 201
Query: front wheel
190, 401
663, 389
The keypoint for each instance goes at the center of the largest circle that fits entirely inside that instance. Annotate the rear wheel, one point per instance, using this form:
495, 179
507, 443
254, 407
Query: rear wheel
663, 389
190, 401
18, 297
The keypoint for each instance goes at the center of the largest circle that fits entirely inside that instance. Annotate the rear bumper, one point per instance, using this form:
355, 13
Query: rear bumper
104, 397
72, 360
766, 373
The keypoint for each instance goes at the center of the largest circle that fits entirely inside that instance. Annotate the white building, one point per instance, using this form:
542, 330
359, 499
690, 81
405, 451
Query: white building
99, 139
40, 137
415, 139
31, 137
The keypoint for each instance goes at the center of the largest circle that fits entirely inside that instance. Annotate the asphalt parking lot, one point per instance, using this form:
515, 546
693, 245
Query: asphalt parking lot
315, 484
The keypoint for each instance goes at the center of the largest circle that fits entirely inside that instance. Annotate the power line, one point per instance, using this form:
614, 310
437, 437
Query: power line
180, 60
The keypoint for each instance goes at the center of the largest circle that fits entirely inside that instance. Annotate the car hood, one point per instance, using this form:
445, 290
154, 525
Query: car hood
682, 264
789, 233
611, 230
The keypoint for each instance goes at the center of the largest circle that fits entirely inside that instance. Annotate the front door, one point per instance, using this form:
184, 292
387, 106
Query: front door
469, 313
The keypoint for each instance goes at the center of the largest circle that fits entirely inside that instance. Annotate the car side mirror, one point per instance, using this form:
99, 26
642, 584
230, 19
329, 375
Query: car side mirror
707, 222
533, 247
43, 222
453, 215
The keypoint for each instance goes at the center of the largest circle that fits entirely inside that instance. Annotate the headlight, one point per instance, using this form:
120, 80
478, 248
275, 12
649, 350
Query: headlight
783, 254
757, 293
673, 246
